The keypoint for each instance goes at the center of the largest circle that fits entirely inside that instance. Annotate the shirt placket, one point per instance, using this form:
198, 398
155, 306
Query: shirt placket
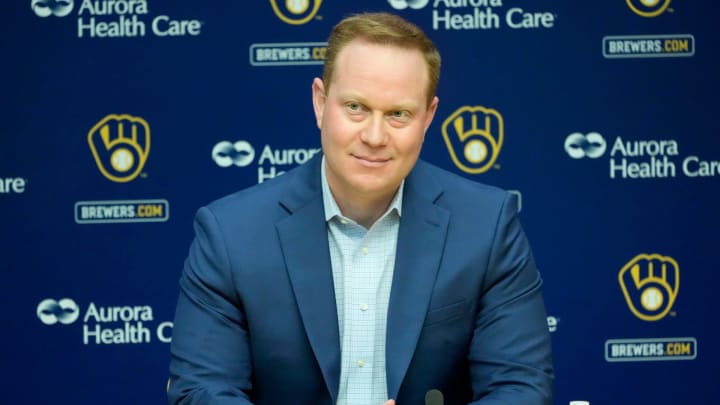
360, 310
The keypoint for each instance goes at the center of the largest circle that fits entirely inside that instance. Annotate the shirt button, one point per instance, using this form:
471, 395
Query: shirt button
343, 221
363, 307
361, 363
365, 250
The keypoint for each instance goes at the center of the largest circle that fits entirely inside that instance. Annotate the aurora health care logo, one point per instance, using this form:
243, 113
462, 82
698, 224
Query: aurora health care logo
101, 19
46, 8
107, 324
578, 145
226, 154
65, 311
403, 4
271, 162
463, 15
632, 158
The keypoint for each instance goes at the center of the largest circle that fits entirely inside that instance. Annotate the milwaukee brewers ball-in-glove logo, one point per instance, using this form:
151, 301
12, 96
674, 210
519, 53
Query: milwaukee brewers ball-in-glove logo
650, 285
474, 137
296, 12
648, 8
120, 145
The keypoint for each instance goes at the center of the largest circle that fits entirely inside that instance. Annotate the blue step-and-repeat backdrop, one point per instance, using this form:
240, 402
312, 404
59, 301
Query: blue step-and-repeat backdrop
122, 117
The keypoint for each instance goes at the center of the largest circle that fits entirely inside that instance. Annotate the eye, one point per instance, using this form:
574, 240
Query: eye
354, 107
400, 115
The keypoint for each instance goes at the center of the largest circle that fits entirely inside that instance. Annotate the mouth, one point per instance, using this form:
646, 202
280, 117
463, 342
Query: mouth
371, 161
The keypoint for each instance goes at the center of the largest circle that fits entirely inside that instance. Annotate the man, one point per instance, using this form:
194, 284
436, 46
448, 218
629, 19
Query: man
364, 276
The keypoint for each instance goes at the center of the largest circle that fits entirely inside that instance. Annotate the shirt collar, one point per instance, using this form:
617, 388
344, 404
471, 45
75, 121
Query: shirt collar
332, 209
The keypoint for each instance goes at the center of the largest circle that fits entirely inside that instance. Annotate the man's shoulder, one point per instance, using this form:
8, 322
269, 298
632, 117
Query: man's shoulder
260, 198
455, 186
472, 204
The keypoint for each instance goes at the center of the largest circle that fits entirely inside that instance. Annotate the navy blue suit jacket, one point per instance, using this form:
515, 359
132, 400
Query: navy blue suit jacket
256, 319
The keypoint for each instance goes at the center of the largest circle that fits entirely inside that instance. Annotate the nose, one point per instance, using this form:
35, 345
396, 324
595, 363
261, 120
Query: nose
374, 134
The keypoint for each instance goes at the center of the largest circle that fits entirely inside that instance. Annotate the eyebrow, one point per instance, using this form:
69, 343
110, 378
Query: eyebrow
399, 106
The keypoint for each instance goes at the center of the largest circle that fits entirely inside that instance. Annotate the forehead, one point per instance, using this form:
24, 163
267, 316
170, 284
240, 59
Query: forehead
382, 68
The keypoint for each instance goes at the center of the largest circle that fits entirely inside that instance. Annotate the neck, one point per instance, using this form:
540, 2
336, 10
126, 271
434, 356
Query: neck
362, 209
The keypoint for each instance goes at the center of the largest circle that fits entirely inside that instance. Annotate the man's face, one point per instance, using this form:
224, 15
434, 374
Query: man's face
372, 118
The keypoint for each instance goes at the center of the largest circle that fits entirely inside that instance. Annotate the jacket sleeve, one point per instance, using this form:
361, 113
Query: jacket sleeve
210, 352
510, 352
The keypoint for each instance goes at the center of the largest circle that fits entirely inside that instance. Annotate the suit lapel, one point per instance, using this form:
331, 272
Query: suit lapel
421, 240
303, 239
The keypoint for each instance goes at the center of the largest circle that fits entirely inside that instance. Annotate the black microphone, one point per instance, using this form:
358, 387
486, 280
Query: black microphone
434, 397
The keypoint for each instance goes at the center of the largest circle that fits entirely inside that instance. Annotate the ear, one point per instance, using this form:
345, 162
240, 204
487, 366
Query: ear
431, 112
318, 96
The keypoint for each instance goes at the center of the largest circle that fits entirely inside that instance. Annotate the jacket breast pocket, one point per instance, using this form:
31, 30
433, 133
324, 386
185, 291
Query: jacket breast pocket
446, 313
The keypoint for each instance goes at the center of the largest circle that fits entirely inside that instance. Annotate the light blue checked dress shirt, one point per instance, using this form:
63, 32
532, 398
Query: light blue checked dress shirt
362, 264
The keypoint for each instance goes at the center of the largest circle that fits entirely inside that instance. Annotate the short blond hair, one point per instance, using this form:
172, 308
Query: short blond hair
382, 29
